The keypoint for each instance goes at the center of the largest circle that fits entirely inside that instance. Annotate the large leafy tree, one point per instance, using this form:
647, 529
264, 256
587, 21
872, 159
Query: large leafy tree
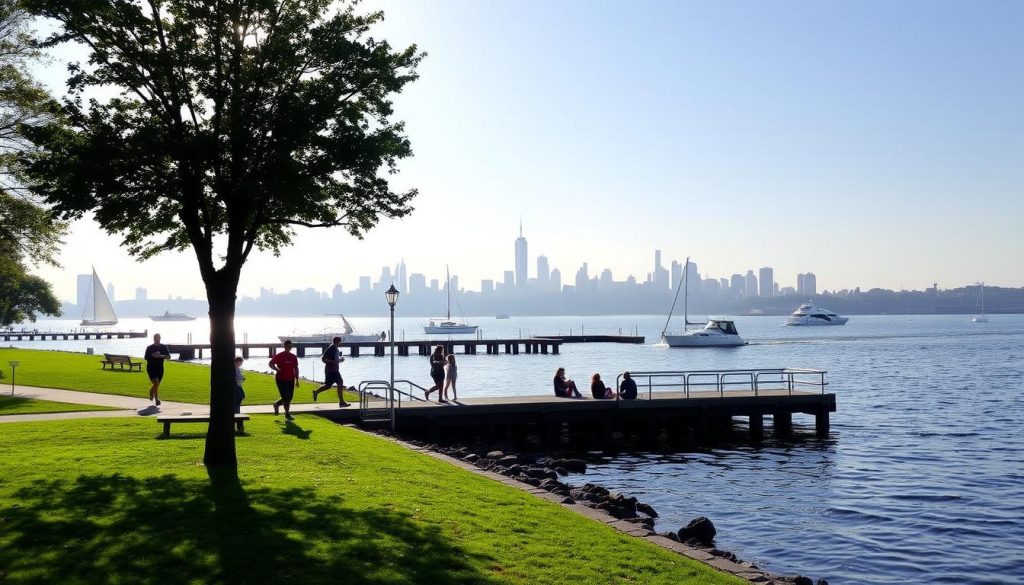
234, 122
28, 233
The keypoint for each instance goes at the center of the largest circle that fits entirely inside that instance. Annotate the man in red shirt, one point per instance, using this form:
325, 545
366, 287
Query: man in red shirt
286, 374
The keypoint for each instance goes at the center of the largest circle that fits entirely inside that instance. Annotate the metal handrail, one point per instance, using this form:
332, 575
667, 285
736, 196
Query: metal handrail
753, 380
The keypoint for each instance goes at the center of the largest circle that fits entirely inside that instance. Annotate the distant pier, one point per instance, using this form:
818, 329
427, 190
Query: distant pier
37, 335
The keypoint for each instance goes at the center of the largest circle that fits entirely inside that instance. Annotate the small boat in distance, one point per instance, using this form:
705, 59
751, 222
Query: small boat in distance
980, 317
169, 316
446, 326
327, 335
808, 314
98, 312
501, 316
716, 332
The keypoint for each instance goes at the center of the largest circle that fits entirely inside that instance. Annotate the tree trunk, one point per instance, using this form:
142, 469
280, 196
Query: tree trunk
220, 437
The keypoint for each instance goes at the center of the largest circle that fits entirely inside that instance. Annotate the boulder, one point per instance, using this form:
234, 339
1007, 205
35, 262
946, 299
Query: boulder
699, 528
530, 480
471, 457
801, 580
646, 509
495, 455
509, 460
670, 535
573, 465
822, 582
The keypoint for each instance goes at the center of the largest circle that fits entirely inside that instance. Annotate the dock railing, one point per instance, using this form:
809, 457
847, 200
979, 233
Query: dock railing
373, 397
709, 382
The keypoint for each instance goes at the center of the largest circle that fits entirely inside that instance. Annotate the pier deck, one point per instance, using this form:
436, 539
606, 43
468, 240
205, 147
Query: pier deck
37, 335
423, 347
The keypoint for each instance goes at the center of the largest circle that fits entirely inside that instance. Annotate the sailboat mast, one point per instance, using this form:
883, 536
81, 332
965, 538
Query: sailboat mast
674, 299
686, 293
448, 290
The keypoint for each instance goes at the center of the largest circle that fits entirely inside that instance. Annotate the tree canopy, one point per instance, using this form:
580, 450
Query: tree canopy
232, 123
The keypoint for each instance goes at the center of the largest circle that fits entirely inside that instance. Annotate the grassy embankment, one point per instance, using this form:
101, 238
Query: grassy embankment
183, 382
104, 501
19, 405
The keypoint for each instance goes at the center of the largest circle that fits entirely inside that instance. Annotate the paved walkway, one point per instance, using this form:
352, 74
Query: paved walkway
132, 406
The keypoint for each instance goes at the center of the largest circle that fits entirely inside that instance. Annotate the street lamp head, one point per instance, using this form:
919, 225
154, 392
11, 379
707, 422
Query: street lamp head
14, 363
392, 296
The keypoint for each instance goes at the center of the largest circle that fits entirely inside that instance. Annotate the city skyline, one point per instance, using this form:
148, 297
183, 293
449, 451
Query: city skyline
866, 143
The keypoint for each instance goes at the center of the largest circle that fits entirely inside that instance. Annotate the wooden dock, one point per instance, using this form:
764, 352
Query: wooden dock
37, 335
423, 347
636, 339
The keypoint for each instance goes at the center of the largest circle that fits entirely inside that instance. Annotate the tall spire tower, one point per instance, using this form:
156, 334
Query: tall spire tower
521, 264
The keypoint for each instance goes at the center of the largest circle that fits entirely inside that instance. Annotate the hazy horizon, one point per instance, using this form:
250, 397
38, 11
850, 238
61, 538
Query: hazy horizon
873, 144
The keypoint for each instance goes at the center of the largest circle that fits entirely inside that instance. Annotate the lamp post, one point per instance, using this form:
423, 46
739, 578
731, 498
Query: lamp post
14, 365
392, 296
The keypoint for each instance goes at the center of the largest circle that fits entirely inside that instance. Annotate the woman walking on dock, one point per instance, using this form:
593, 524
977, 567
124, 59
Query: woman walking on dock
436, 372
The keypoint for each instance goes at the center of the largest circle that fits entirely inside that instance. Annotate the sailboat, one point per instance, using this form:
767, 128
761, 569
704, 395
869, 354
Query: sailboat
980, 317
716, 332
446, 325
98, 310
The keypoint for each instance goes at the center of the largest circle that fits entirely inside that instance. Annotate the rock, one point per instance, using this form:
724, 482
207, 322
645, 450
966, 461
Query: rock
568, 500
700, 528
515, 469
471, 457
561, 471
724, 554
595, 489
570, 465
530, 480
509, 460
801, 580
495, 455
822, 582
670, 535
549, 483
646, 509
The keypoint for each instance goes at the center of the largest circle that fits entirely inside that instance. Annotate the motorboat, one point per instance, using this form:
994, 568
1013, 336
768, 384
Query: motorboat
445, 326
808, 314
98, 311
502, 316
717, 332
169, 316
327, 335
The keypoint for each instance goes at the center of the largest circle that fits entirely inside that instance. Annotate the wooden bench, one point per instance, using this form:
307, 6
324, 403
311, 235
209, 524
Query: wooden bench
194, 418
112, 359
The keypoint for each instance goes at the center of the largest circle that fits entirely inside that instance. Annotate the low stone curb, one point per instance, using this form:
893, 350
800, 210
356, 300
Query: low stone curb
742, 570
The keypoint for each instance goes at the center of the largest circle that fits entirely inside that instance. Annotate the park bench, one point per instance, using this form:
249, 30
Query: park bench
194, 418
112, 359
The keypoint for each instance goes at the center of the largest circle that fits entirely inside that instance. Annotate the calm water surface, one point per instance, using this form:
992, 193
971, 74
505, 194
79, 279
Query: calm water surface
920, 481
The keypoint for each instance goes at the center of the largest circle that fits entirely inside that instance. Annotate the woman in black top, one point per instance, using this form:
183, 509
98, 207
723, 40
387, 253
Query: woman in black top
565, 388
598, 389
436, 373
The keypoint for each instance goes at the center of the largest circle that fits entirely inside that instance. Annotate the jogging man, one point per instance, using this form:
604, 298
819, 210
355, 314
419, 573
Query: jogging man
286, 374
332, 371
155, 356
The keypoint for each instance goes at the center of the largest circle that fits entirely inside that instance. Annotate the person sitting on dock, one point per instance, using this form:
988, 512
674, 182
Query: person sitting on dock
599, 390
627, 390
565, 388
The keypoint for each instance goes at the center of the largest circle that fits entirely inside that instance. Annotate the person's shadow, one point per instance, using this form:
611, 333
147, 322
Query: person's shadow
290, 428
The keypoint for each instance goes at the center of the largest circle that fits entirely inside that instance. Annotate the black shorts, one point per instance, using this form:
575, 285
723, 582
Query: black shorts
438, 377
286, 388
155, 374
333, 378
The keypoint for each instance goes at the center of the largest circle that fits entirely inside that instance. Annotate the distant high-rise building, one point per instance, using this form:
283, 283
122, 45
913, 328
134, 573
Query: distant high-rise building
750, 284
736, 285
806, 284
454, 282
521, 260
486, 286
693, 277
724, 284
336, 293
582, 278
543, 273
364, 283
140, 294
110, 291
660, 276
556, 280
766, 281
606, 279
434, 284
417, 283
677, 274
84, 290
509, 279
401, 281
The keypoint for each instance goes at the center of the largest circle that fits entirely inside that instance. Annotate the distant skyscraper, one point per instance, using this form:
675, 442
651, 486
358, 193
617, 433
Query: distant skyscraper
582, 278
509, 280
336, 293
750, 284
417, 283
806, 284
521, 260
766, 281
84, 289
660, 275
606, 279
677, 274
556, 280
140, 294
486, 286
693, 277
401, 282
543, 273
737, 285
364, 283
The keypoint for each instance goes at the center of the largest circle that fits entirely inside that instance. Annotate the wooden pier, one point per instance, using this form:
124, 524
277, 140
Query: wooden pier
423, 347
37, 335
636, 339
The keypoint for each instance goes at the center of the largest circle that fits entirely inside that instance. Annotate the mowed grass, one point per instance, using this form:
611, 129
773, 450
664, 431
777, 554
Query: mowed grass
183, 382
20, 405
105, 501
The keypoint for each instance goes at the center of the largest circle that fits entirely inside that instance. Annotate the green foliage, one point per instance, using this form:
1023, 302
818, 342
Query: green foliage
105, 501
19, 405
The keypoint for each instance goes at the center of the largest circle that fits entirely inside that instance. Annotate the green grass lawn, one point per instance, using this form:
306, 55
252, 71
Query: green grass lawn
105, 501
183, 382
19, 405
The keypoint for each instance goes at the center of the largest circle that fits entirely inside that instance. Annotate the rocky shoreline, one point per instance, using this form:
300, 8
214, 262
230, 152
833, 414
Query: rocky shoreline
543, 472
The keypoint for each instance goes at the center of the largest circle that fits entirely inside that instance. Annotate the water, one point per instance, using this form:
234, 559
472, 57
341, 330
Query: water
920, 481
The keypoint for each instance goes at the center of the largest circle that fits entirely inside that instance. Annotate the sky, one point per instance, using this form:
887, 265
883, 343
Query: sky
875, 143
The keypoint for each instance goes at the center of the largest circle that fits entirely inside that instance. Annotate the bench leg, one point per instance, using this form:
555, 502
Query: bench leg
167, 428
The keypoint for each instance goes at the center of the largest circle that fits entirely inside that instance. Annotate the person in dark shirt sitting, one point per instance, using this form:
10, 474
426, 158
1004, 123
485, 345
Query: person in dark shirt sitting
627, 390
565, 388
598, 389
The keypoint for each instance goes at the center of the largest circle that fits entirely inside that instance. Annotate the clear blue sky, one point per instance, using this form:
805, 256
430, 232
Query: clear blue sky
873, 143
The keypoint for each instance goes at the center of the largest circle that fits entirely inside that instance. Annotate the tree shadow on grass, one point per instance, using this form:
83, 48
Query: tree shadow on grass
166, 530
13, 402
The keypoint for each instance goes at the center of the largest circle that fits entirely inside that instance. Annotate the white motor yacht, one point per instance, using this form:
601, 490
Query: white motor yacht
327, 335
716, 332
808, 314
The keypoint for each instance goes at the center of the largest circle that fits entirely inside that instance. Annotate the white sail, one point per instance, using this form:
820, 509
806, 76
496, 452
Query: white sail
98, 309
